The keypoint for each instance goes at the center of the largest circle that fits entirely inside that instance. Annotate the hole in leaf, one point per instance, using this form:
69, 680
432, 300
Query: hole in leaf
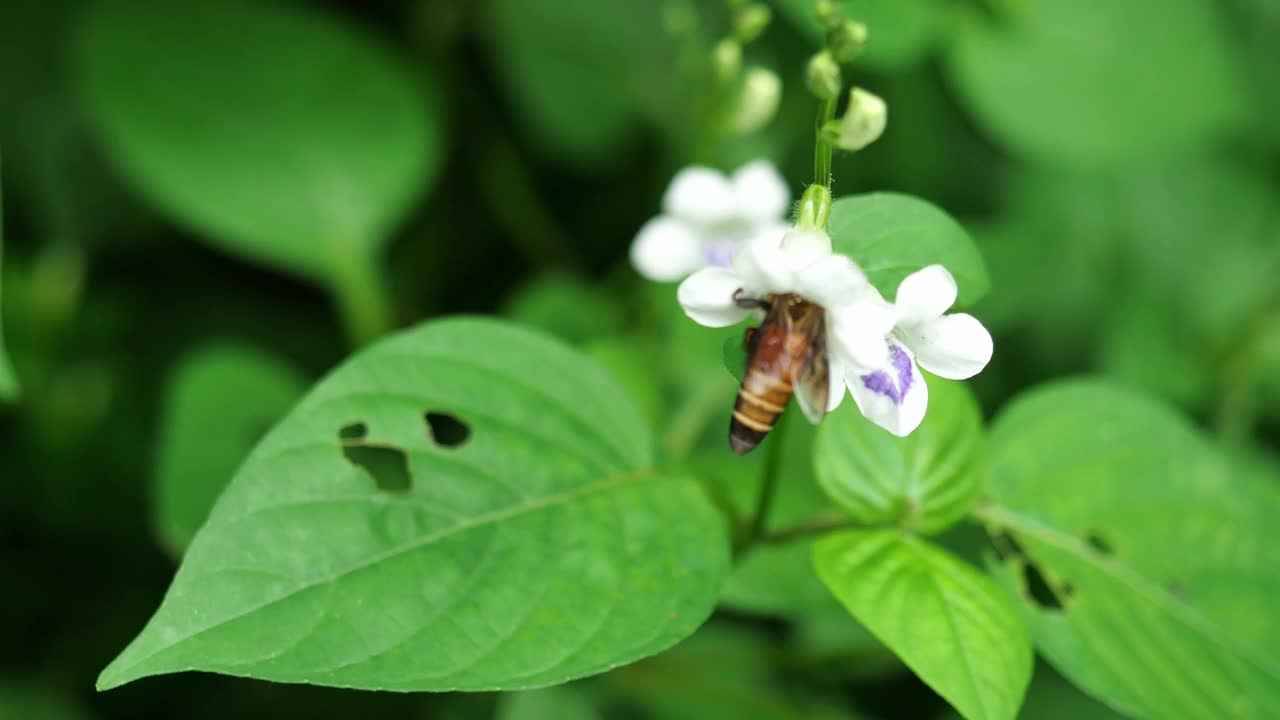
1040, 591
354, 431
388, 466
1101, 546
446, 430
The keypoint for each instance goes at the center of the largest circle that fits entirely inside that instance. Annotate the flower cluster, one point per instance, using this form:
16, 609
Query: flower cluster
875, 348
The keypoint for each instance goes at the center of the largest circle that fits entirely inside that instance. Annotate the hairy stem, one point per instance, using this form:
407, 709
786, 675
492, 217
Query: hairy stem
823, 148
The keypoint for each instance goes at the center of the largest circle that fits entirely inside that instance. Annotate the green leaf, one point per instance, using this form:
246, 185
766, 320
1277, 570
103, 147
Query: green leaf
1096, 83
948, 622
581, 74
892, 235
220, 400
630, 363
8, 380
1158, 555
281, 134
899, 32
517, 536
560, 703
924, 482
565, 306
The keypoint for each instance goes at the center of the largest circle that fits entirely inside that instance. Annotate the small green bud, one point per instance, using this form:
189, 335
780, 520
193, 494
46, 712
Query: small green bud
863, 122
750, 21
846, 40
828, 12
727, 58
758, 100
823, 76
815, 209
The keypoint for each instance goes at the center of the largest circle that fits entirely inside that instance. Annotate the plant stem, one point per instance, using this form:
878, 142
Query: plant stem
769, 484
813, 526
360, 294
823, 148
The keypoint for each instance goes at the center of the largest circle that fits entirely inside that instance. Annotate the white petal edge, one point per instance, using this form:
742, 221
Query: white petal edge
955, 347
831, 281
666, 250
700, 195
763, 267
899, 418
707, 297
836, 386
857, 334
760, 192
925, 294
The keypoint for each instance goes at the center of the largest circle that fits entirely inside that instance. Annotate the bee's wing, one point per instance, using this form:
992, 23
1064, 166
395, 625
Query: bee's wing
813, 376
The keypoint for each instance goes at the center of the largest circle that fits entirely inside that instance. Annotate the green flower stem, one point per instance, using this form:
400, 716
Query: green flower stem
823, 149
817, 525
360, 293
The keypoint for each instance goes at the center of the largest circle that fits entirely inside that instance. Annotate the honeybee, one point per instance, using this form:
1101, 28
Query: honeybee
786, 354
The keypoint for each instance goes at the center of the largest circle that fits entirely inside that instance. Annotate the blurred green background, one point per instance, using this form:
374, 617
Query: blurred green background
199, 224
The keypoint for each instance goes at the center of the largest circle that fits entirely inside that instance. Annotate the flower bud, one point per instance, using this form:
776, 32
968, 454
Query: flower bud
727, 59
758, 100
863, 122
750, 21
846, 40
823, 76
828, 12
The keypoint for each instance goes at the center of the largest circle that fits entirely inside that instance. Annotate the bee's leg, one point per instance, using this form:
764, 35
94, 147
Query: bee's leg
748, 338
749, 303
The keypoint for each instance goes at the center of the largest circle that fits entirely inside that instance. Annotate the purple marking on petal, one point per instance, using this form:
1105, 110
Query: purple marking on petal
720, 253
880, 381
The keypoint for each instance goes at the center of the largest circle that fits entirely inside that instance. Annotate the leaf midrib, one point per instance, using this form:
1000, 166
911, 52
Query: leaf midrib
478, 521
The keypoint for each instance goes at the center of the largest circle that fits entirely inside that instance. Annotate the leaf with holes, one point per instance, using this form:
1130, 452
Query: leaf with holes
219, 402
273, 130
891, 236
924, 482
1160, 555
948, 622
900, 32
1098, 83
510, 533
8, 380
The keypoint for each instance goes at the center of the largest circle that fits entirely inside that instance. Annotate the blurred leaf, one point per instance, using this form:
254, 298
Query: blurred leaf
891, 236
950, 624
1097, 83
1159, 556
924, 482
25, 698
721, 673
560, 703
565, 306
1050, 697
900, 32
531, 494
1148, 350
1256, 25
219, 402
581, 73
630, 364
8, 380
735, 358
272, 129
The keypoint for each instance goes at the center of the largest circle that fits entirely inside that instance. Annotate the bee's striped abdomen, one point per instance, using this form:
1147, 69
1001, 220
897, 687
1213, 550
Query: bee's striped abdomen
760, 401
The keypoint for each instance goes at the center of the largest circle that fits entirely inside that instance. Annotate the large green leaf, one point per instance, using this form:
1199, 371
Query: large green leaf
1097, 82
535, 541
948, 622
923, 482
220, 400
1160, 557
278, 133
892, 235
8, 380
900, 32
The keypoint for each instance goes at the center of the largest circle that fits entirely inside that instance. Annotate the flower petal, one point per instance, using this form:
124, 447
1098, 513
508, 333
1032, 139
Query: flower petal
707, 297
701, 196
763, 267
806, 246
666, 250
955, 347
761, 193
831, 281
894, 397
857, 334
836, 384
925, 294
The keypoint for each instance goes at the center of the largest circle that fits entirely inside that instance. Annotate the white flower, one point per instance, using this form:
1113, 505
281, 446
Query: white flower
957, 346
872, 346
858, 321
707, 216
